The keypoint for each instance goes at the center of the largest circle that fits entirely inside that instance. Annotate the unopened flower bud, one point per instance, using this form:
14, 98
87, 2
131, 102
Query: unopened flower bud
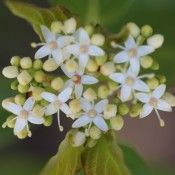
100, 60
95, 133
146, 62
155, 41
103, 91
153, 83
50, 65
133, 28
71, 65
155, 65
77, 139
112, 85
23, 89
14, 85
98, 39
22, 134
15, 61
91, 142
108, 68
162, 79
89, 29
75, 105
90, 94
37, 64
110, 111
5, 102
146, 31
48, 120
10, 71
135, 109
117, 122
70, 25
57, 83
26, 63
39, 76
20, 99
170, 98
38, 110
10, 122
92, 66
37, 93
123, 109
24, 78
56, 27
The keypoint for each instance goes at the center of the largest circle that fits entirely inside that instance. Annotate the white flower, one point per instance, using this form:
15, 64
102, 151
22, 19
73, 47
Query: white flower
92, 114
57, 103
132, 53
83, 49
53, 46
129, 82
153, 101
23, 115
77, 79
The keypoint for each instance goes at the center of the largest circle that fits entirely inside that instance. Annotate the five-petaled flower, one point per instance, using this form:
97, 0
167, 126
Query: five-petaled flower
153, 101
92, 114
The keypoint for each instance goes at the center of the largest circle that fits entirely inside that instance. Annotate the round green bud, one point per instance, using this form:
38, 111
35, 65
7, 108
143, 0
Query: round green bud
34, 83
26, 63
75, 105
39, 76
95, 133
23, 89
48, 120
9, 121
112, 85
14, 85
20, 99
123, 109
135, 109
22, 134
146, 31
24, 78
56, 27
103, 91
37, 93
146, 62
90, 94
44, 102
100, 60
15, 61
92, 66
10, 71
50, 65
153, 83
155, 66
162, 79
37, 64
89, 29
133, 28
108, 68
110, 111
117, 122
91, 142
57, 83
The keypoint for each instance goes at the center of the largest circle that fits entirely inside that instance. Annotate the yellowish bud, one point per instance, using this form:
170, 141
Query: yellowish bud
38, 110
162, 79
90, 94
37, 93
155, 65
56, 27
103, 91
71, 65
37, 64
117, 122
70, 25
20, 99
48, 120
24, 78
91, 142
123, 109
10, 71
110, 111
146, 31
89, 29
133, 28
75, 105
23, 134
23, 89
26, 63
135, 110
100, 60
98, 39
39, 76
156, 41
95, 133
57, 83
10, 123
50, 65
107, 68
15, 61
4, 102
92, 66
112, 85
146, 62
153, 83
14, 85
170, 98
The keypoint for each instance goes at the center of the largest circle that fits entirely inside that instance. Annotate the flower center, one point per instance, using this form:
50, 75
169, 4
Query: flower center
76, 78
153, 101
132, 52
129, 81
92, 113
53, 45
24, 114
57, 104
84, 48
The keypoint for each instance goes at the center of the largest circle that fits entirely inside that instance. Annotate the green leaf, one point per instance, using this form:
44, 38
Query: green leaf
39, 16
66, 162
105, 158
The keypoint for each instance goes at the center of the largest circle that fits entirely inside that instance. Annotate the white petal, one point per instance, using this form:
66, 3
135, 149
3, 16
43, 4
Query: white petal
85, 104
42, 52
95, 51
144, 98
159, 91
35, 120
68, 83
19, 125
65, 94
117, 77
82, 121
99, 107
73, 49
57, 56
121, 57
144, 50
83, 36
65, 108
68, 74
141, 86
135, 65
51, 109
125, 93
130, 43
83, 59
147, 109
131, 73
64, 40
47, 34
48, 96
29, 103
78, 90
163, 106
14, 108
86, 79
100, 123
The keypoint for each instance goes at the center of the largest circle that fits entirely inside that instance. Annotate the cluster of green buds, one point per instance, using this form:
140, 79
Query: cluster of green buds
97, 84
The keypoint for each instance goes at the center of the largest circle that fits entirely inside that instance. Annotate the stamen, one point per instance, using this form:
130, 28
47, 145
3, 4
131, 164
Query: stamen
5, 124
34, 45
59, 125
147, 76
115, 45
87, 130
162, 123
29, 133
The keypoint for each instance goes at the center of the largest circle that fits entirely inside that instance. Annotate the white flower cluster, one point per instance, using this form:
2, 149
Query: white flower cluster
95, 82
